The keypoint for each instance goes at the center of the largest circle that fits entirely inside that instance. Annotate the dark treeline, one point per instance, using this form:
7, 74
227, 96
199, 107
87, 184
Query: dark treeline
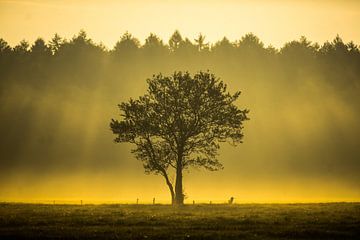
80, 61
83, 63
57, 97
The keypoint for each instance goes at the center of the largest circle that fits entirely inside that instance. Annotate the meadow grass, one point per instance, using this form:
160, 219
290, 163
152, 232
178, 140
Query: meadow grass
237, 221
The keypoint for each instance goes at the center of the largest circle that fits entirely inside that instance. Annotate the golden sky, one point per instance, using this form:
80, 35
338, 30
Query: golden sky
275, 22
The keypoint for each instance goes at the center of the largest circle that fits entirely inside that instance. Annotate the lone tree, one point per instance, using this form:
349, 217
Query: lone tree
179, 123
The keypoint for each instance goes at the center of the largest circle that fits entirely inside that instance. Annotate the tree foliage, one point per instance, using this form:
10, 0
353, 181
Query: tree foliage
180, 122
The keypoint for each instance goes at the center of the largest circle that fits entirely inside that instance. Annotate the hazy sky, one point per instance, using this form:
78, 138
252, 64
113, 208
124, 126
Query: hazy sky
275, 22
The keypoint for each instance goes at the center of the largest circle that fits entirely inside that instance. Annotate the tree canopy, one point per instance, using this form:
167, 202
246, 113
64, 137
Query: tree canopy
179, 123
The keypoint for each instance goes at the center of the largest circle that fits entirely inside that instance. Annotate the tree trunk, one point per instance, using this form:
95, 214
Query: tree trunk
171, 188
172, 194
179, 195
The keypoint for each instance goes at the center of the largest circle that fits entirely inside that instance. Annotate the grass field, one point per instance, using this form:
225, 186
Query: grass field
243, 221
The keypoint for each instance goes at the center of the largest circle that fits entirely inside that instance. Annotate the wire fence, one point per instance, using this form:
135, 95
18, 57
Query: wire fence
136, 201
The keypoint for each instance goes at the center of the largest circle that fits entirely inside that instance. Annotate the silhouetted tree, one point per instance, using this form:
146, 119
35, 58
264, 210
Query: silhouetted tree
55, 43
224, 52
224, 46
175, 41
251, 54
4, 46
179, 123
128, 45
298, 56
5, 63
22, 47
353, 48
40, 48
250, 42
81, 46
81, 39
154, 46
200, 41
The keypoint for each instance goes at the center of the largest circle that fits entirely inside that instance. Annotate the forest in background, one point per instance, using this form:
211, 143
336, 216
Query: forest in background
57, 98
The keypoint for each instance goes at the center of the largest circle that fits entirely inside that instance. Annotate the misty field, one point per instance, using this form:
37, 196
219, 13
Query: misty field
244, 221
